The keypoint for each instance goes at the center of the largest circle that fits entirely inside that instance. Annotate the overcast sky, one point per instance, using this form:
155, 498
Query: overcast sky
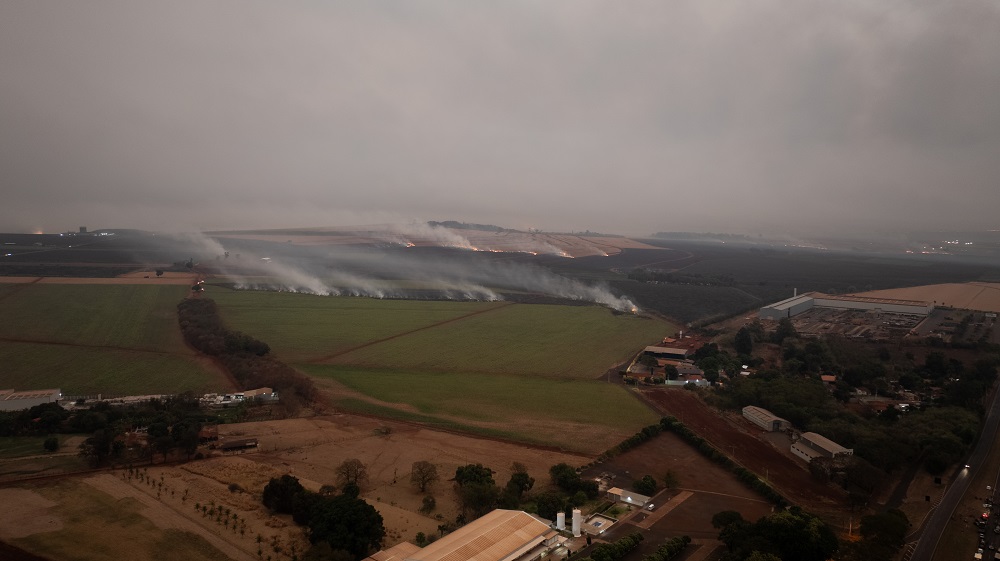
703, 115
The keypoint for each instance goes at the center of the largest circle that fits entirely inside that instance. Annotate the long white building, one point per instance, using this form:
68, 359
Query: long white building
795, 305
765, 419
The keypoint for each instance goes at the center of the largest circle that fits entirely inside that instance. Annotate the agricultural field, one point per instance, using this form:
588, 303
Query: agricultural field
89, 339
585, 416
303, 327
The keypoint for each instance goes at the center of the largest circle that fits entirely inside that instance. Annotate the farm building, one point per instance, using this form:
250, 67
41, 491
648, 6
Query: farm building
239, 446
811, 445
668, 352
797, 304
765, 419
11, 400
501, 535
629, 497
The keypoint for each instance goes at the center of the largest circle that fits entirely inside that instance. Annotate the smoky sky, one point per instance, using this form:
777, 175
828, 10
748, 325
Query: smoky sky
703, 115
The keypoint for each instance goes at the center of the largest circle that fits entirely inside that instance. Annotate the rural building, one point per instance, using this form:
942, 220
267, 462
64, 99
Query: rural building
811, 445
675, 353
628, 497
11, 400
795, 305
238, 446
765, 419
501, 535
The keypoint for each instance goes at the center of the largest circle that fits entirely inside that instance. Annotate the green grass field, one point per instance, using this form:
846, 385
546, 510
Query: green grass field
89, 371
125, 316
536, 340
530, 408
302, 327
89, 339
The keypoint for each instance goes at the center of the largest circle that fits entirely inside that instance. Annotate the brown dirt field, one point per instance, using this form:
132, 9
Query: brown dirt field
740, 440
25, 513
981, 296
311, 449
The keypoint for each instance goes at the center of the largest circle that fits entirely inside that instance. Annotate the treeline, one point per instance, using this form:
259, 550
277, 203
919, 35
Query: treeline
669, 550
787, 534
341, 523
245, 357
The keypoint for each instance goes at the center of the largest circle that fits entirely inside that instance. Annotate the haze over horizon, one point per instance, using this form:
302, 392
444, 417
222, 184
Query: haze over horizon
775, 117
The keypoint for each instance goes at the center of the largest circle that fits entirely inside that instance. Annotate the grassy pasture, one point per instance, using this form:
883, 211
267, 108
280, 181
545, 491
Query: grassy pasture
302, 327
531, 408
88, 370
537, 340
124, 316
98, 527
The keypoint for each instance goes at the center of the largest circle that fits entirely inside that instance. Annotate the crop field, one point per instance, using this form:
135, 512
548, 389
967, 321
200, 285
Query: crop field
122, 316
303, 327
500, 337
89, 339
531, 408
537, 340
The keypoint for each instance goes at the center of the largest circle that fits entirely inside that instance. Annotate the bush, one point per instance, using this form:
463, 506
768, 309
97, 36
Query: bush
51, 444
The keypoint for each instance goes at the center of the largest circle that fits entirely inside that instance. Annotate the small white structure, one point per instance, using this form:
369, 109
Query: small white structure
560, 520
628, 497
577, 522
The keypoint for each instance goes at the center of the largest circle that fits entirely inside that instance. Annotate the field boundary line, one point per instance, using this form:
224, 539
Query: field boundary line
88, 346
325, 359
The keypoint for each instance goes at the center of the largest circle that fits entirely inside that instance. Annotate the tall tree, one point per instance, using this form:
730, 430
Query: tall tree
352, 471
422, 474
743, 341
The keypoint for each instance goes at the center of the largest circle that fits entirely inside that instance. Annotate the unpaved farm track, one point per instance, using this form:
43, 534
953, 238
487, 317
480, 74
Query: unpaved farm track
741, 443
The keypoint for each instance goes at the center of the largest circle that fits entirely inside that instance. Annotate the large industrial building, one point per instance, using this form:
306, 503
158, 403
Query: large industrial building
811, 445
501, 535
11, 400
765, 419
797, 304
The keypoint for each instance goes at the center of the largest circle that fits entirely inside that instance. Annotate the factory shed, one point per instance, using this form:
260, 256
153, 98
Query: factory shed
787, 308
501, 535
668, 352
11, 400
811, 445
765, 419
629, 497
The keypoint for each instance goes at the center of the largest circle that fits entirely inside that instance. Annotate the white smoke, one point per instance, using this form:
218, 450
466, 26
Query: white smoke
369, 273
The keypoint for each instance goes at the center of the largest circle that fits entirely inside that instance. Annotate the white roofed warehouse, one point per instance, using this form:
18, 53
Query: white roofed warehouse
811, 445
765, 419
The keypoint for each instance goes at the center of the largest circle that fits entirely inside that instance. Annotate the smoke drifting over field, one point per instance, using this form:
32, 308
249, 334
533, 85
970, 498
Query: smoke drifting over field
402, 271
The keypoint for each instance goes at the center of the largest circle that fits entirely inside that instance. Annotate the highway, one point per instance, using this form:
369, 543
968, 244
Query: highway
939, 518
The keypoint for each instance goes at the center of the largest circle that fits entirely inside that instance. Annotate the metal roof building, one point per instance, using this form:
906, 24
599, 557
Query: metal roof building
765, 419
795, 305
501, 535
811, 445
11, 400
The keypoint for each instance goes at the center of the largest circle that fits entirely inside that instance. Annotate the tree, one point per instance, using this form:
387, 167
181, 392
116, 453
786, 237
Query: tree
473, 473
51, 444
346, 523
671, 372
646, 485
280, 493
647, 360
352, 472
670, 480
422, 474
743, 342
785, 330
477, 498
549, 504
520, 482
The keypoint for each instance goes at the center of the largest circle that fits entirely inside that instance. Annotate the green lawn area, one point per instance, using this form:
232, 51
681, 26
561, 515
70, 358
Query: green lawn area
527, 339
304, 327
527, 407
125, 316
88, 371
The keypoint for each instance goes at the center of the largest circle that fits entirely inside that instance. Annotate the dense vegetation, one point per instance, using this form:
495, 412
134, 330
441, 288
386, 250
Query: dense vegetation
341, 522
244, 356
786, 534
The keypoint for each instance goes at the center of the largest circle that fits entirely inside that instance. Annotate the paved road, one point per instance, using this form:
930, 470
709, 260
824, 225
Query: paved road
941, 515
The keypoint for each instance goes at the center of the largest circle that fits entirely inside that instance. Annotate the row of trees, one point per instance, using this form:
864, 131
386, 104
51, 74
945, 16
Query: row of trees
246, 358
787, 534
615, 550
